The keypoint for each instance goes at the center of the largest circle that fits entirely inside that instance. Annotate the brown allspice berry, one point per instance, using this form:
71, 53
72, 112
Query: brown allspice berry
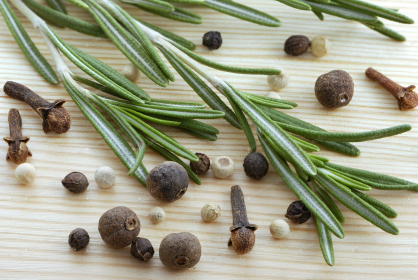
119, 227
406, 96
256, 165
180, 250
202, 165
297, 45
168, 181
212, 40
18, 151
141, 248
334, 89
55, 117
75, 182
78, 239
242, 232
298, 213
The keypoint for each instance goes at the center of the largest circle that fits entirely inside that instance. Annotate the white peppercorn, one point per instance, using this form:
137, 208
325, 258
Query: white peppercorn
222, 167
157, 215
273, 94
320, 46
279, 228
278, 82
105, 177
131, 72
210, 212
25, 173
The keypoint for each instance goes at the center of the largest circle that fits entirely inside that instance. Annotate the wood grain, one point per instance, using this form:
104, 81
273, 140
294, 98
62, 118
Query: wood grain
35, 220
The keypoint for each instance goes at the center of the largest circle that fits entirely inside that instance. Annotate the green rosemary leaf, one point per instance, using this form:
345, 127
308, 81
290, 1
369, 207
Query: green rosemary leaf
79, 3
29, 49
149, 118
328, 201
322, 1
113, 138
359, 206
388, 32
317, 163
200, 87
178, 14
335, 10
158, 136
111, 73
325, 242
276, 105
306, 146
194, 125
231, 8
57, 5
202, 135
318, 157
133, 135
375, 10
176, 104
93, 84
296, 4
132, 25
226, 68
172, 157
154, 5
344, 148
173, 37
347, 137
301, 174
302, 191
319, 15
191, 2
377, 24
64, 20
127, 44
383, 208
271, 129
252, 96
346, 181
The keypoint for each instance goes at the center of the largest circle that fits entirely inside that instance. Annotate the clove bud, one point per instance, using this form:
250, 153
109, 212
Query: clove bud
55, 117
242, 232
18, 151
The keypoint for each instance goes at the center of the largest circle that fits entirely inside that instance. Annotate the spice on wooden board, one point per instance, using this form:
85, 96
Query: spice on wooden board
222, 167
180, 250
334, 89
256, 165
18, 151
55, 117
79, 239
297, 212
406, 96
242, 232
297, 44
75, 182
212, 40
202, 165
141, 248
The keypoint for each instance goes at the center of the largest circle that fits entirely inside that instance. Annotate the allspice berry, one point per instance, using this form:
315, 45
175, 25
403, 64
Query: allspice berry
119, 227
78, 239
75, 182
212, 40
298, 213
202, 166
256, 165
168, 181
334, 89
297, 45
180, 250
142, 249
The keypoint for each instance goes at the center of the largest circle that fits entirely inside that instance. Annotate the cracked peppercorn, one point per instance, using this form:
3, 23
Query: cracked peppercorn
141, 248
298, 213
202, 165
212, 40
78, 239
256, 165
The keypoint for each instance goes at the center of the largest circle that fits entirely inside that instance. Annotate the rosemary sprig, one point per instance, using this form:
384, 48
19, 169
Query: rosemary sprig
325, 242
29, 49
328, 201
57, 6
152, 5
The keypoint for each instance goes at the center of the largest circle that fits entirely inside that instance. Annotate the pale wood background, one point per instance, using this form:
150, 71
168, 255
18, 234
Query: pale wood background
35, 220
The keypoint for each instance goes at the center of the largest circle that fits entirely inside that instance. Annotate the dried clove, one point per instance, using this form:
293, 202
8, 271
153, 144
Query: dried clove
242, 232
406, 96
55, 117
18, 151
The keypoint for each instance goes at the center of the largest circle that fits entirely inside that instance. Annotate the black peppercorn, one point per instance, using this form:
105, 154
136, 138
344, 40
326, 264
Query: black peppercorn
75, 182
202, 166
297, 45
78, 239
180, 250
256, 165
298, 213
212, 40
168, 181
334, 89
141, 248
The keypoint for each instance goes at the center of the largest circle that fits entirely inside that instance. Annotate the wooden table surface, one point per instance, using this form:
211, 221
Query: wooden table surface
35, 220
